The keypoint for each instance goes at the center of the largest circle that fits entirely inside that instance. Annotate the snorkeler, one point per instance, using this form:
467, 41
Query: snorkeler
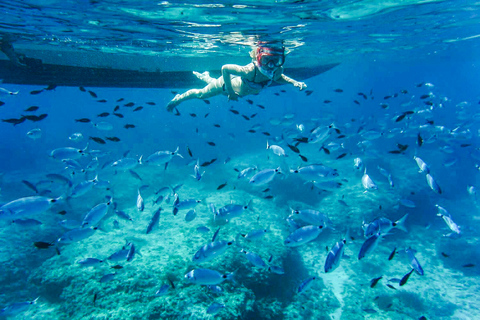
265, 69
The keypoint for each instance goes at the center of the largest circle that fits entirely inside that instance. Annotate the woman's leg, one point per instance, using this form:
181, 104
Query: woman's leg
212, 89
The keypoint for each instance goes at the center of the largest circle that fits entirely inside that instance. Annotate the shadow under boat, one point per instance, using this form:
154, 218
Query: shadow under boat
68, 67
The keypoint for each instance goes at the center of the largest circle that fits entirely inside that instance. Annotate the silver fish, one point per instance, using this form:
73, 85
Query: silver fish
319, 134
384, 225
369, 245
16, 308
93, 217
211, 250
154, 221
246, 172
442, 212
315, 172
89, 262
140, 203
367, 182
207, 277
335, 255
264, 176
276, 149
126, 163
312, 217
432, 184
413, 261
34, 134
75, 235
68, 153
303, 235
305, 285
25, 207
254, 259
196, 171
421, 165
162, 157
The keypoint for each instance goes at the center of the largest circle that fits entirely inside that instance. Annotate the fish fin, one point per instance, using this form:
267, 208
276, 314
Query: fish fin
400, 224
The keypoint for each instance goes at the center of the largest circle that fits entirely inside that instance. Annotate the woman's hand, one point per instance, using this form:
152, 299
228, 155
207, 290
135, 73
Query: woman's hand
300, 85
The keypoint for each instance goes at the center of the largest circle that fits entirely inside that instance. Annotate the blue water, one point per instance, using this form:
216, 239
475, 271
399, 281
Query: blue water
423, 51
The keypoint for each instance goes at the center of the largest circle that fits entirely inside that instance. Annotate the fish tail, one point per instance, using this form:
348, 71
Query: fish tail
140, 159
400, 224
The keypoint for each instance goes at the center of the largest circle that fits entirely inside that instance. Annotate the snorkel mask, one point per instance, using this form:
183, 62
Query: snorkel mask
269, 59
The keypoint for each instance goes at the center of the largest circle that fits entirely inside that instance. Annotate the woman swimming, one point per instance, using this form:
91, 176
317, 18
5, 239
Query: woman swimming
265, 69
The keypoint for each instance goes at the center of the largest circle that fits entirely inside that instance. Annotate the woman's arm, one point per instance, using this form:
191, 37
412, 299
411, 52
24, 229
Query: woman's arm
284, 79
236, 70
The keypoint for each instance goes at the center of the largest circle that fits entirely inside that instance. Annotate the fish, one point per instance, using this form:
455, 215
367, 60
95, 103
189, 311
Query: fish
255, 234
16, 308
27, 222
421, 165
367, 182
76, 137
93, 94
211, 250
31, 109
390, 257
15, 121
89, 262
129, 126
191, 215
107, 278
131, 252
369, 245
413, 261
319, 134
263, 177
374, 281
468, 265
254, 259
83, 120
308, 92
220, 187
154, 221
293, 148
189, 152
234, 111
162, 157
140, 203
306, 284
96, 214
26, 207
304, 159
315, 172
215, 308
102, 101
276, 150
129, 104
211, 143
114, 139
338, 90
303, 235
34, 118
207, 277
245, 117
76, 235
432, 184
341, 156
30, 185
335, 255
43, 245
384, 225
35, 92
97, 140
404, 279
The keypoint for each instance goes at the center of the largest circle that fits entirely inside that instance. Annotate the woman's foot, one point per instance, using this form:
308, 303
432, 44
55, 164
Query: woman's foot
172, 104
204, 76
